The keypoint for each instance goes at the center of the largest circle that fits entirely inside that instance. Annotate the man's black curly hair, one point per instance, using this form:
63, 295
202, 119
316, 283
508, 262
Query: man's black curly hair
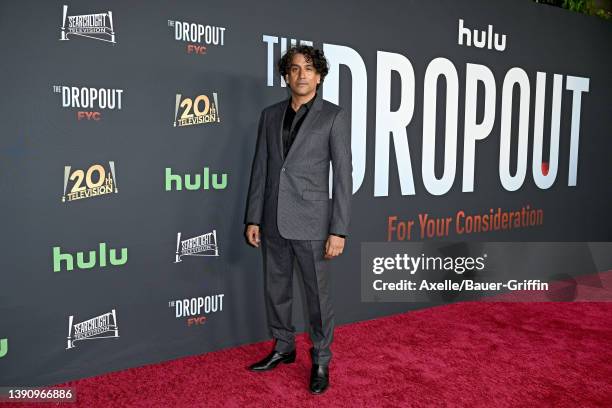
311, 54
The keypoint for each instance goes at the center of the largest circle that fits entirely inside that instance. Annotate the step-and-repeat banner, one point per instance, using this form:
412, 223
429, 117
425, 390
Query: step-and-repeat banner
128, 132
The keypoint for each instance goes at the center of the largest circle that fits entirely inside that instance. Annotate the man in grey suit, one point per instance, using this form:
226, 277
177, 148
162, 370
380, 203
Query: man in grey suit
289, 207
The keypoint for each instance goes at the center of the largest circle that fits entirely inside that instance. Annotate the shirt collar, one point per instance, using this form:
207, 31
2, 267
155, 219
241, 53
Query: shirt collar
307, 104
311, 101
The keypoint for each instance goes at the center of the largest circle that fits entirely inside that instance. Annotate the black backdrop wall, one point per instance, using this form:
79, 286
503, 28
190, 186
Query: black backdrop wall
128, 130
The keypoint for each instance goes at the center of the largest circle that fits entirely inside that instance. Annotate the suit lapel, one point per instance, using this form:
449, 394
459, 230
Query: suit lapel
306, 125
281, 150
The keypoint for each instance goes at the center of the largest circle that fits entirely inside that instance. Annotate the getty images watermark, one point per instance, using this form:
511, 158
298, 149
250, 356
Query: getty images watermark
443, 272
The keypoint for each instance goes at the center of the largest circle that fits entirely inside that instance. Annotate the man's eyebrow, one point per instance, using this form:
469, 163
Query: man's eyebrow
306, 65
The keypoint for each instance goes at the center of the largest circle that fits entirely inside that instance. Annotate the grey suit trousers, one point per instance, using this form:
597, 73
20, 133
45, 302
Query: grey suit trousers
278, 255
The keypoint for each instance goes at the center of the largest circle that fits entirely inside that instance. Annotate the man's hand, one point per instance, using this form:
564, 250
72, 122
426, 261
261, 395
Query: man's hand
334, 246
252, 235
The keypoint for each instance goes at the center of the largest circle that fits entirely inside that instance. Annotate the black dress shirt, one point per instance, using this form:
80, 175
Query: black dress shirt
292, 123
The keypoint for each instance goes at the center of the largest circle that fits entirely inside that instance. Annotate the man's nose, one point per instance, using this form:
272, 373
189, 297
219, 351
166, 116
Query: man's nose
302, 74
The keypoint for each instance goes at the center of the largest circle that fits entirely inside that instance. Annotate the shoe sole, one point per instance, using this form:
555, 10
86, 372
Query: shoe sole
319, 393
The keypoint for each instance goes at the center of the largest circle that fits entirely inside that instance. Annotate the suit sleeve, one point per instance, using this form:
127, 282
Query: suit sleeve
342, 165
257, 185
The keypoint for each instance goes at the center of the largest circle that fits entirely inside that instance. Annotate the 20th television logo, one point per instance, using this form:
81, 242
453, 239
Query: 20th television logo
92, 182
196, 111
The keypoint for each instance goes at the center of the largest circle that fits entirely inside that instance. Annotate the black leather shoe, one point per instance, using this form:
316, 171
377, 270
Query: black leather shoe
319, 379
272, 360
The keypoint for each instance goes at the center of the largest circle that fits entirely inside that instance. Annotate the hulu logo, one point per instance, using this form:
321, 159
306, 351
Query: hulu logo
3, 347
95, 258
204, 181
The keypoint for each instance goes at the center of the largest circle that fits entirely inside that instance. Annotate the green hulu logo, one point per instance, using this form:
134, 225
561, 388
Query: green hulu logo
204, 181
100, 257
3, 347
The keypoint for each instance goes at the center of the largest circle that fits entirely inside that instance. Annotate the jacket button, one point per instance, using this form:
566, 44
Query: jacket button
283, 169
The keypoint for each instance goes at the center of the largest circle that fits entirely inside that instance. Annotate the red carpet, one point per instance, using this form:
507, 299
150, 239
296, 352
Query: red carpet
475, 354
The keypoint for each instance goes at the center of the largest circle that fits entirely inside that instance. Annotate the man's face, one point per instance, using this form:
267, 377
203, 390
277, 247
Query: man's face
302, 77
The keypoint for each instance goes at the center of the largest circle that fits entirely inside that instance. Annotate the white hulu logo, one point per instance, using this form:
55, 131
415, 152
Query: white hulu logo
481, 38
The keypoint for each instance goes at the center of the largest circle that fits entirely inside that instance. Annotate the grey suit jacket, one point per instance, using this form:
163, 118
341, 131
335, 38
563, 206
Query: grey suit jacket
289, 196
